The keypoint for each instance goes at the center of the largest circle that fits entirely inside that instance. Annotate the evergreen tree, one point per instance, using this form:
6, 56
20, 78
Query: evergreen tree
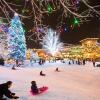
16, 39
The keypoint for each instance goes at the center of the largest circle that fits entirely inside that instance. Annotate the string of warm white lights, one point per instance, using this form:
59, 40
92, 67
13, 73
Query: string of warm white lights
68, 7
37, 9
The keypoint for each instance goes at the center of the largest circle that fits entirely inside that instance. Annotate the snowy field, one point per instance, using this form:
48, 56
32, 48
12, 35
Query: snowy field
74, 82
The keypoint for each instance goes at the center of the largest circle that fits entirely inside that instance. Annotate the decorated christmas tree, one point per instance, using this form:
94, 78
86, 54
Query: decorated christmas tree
16, 39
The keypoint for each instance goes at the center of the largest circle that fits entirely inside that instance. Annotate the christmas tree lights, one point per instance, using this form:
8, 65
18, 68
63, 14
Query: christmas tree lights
16, 39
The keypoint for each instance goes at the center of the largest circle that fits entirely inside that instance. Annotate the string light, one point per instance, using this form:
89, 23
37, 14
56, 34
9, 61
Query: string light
49, 8
42, 7
16, 39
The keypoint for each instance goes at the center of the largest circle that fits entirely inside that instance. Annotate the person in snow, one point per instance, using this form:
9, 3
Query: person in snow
93, 63
34, 88
4, 91
41, 73
13, 68
57, 70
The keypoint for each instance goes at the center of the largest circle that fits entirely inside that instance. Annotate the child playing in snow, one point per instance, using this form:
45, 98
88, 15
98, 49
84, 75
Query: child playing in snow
34, 88
41, 73
57, 70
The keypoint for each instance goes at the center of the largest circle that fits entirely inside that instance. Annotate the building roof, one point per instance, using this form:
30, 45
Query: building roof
89, 39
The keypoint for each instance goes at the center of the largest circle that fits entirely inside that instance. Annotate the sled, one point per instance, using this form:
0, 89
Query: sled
41, 89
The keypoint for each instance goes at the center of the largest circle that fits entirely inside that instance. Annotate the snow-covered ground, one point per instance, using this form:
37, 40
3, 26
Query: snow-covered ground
74, 82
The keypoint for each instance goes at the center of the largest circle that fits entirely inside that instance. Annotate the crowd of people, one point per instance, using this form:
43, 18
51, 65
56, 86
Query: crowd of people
81, 62
41, 61
78, 61
70, 61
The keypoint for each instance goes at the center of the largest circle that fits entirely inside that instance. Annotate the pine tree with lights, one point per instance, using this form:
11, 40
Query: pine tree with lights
16, 39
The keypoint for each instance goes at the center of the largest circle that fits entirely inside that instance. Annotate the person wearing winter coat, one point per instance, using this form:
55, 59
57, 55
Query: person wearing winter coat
42, 74
57, 70
4, 91
34, 88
